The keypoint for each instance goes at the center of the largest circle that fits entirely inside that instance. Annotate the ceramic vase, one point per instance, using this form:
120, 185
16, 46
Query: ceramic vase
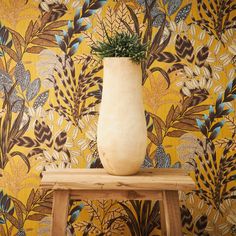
121, 133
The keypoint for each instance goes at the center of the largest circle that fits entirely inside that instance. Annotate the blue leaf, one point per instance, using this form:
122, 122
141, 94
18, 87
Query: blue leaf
162, 159
87, 26
215, 133
77, 14
176, 165
183, 13
65, 34
58, 39
173, 6
70, 26
199, 123
147, 162
79, 21
205, 117
229, 86
219, 99
2, 221
73, 49
75, 213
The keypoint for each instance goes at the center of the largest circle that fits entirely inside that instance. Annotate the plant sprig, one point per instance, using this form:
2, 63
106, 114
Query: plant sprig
210, 129
122, 45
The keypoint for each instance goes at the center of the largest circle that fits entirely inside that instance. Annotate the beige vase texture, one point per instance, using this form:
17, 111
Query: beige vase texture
121, 133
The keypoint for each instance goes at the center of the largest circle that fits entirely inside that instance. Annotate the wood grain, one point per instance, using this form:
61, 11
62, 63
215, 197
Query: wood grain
60, 212
116, 194
98, 179
172, 213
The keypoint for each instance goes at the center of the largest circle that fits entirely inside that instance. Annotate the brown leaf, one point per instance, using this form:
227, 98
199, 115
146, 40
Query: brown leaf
12, 219
158, 130
35, 49
56, 24
186, 103
2, 231
19, 214
159, 120
157, 38
176, 133
152, 137
36, 26
185, 126
197, 109
176, 113
195, 116
47, 37
10, 52
42, 209
44, 20
20, 204
43, 42
53, 32
1, 65
170, 116
60, 141
134, 18
188, 121
26, 141
34, 151
30, 200
28, 32
46, 204
18, 36
36, 217
17, 46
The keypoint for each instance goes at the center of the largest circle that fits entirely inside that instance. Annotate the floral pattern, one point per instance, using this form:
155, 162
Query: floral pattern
51, 87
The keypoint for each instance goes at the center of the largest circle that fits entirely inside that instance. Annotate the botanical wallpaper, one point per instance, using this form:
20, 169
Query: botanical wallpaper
51, 87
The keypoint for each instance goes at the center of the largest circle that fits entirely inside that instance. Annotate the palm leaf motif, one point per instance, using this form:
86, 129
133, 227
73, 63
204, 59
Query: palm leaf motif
151, 39
73, 95
179, 120
68, 43
144, 218
214, 187
12, 133
215, 17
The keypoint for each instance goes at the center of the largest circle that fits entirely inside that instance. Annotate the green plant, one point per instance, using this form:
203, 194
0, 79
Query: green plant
122, 45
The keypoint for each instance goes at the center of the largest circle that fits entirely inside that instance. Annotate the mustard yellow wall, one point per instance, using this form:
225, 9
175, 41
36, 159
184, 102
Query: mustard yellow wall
50, 104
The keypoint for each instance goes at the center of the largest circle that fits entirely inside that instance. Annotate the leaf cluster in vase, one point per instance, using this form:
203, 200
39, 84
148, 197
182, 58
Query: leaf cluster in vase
122, 45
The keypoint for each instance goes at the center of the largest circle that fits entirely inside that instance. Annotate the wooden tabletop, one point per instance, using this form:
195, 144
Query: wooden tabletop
98, 179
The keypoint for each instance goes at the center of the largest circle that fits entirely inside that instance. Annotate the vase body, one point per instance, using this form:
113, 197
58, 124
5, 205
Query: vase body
121, 133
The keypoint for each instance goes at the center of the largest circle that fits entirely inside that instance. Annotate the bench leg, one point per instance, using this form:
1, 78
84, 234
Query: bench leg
172, 213
60, 212
163, 220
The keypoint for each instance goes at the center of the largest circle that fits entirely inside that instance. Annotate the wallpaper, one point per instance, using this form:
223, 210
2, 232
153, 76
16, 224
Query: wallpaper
51, 87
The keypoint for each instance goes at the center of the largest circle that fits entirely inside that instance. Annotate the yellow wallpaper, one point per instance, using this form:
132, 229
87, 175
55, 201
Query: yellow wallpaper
51, 87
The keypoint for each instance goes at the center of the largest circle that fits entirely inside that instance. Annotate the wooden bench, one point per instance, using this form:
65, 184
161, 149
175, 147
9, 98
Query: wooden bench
96, 184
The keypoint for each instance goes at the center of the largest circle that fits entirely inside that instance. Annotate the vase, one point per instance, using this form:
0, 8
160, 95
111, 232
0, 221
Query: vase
121, 132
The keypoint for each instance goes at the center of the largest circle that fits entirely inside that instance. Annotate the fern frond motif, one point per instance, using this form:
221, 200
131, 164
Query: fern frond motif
76, 97
216, 17
215, 175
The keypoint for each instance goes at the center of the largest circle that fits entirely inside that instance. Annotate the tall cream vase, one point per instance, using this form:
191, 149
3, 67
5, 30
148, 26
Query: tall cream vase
121, 133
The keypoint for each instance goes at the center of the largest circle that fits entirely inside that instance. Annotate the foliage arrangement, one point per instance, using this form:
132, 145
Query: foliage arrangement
122, 45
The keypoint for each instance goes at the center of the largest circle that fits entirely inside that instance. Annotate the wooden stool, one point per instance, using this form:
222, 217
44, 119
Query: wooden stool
96, 184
